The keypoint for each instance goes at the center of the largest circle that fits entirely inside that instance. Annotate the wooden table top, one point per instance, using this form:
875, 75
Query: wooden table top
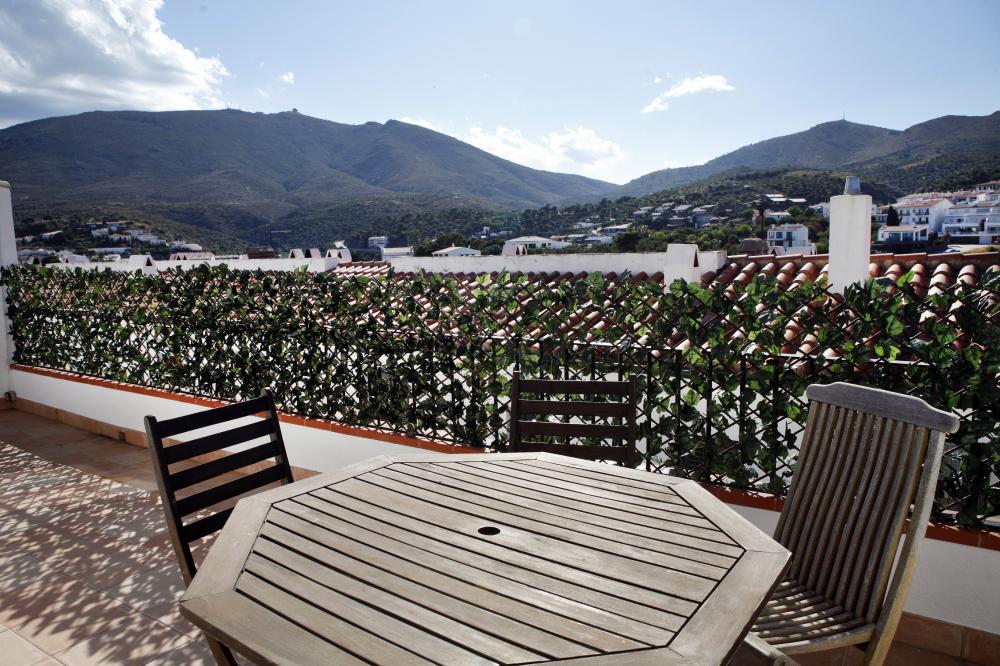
484, 559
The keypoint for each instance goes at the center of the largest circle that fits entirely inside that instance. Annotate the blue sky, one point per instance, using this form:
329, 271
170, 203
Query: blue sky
610, 90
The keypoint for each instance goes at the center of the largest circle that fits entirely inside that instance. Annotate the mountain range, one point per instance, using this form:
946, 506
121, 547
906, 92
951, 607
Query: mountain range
906, 159
232, 173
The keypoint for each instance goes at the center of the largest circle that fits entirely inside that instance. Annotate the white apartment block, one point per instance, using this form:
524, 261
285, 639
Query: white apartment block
930, 212
977, 222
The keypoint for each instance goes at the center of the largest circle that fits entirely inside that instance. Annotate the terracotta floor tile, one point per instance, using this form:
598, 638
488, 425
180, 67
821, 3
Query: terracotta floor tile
170, 615
151, 589
930, 634
16, 650
901, 654
66, 615
18, 572
194, 653
982, 647
136, 639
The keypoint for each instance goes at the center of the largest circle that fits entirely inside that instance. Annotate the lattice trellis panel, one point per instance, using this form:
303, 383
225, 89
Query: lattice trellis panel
722, 370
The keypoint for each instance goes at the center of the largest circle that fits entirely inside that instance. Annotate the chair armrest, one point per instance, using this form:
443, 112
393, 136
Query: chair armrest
755, 650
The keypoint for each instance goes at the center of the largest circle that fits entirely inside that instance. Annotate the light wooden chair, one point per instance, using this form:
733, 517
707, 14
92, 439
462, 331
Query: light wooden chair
184, 492
867, 457
620, 407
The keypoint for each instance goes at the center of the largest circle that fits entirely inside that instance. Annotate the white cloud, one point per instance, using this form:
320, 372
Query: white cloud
422, 122
688, 86
657, 80
287, 77
66, 56
573, 148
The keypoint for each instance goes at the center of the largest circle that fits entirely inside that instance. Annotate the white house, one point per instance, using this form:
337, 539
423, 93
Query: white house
790, 239
930, 212
991, 186
904, 233
377, 242
598, 240
536, 243
977, 222
456, 251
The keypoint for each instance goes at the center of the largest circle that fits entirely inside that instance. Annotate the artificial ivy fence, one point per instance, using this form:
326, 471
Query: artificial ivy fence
722, 371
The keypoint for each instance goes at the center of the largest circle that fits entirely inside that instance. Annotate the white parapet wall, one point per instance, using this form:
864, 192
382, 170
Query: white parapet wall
685, 260
310, 265
308, 447
954, 583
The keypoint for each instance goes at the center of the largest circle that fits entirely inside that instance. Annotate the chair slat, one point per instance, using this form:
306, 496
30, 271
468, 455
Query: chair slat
573, 408
229, 490
574, 386
866, 456
201, 528
884, 552
231, 463
210, 417
573, 429
182, 535
854, 517
843, 497
217, 441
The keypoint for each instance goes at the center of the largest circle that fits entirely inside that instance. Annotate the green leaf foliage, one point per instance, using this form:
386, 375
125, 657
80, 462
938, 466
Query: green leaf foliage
721, 370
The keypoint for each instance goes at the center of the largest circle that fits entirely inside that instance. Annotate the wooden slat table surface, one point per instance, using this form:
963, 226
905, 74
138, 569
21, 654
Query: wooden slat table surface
484, 559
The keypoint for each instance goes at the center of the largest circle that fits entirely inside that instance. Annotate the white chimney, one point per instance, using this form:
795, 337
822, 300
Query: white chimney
850, 236
8, 257
682, 263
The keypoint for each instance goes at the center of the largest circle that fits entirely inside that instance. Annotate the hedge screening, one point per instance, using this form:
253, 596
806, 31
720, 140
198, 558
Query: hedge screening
722, 370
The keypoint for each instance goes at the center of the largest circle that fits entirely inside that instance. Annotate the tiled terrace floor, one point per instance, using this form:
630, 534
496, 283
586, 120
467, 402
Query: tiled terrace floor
87, 575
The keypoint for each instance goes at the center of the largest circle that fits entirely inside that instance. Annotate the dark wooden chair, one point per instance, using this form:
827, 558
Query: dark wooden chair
524, 434
194, 492
868, 466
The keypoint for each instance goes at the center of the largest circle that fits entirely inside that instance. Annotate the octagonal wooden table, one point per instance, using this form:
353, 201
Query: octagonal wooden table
484, 559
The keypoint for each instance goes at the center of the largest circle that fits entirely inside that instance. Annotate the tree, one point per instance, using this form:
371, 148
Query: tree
892, 219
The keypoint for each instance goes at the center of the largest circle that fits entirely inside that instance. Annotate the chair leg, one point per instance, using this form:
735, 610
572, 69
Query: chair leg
222, 655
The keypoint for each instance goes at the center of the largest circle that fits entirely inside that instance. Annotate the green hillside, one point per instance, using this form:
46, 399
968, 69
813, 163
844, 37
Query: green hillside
912, 159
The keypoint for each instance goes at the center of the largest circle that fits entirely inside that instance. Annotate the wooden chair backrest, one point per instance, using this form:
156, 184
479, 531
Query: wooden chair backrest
197, 502
622, 433
867, 456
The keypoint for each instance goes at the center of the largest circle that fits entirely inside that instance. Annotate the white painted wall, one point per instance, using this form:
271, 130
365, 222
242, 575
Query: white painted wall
8, 257
312, 448
311, 265
953, 583
603, 262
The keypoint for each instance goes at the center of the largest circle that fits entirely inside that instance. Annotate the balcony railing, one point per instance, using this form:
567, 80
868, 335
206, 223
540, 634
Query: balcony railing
722, 371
